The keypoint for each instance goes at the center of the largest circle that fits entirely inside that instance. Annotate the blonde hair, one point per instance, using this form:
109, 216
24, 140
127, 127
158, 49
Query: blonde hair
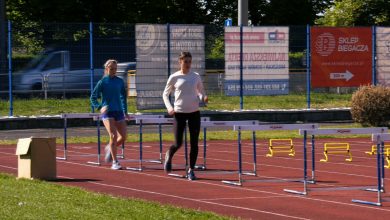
108, 62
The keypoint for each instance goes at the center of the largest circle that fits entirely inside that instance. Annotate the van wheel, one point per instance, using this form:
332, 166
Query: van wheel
37, 90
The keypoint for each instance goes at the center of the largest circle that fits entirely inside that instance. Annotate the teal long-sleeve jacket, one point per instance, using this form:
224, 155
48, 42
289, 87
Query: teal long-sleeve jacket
112, 92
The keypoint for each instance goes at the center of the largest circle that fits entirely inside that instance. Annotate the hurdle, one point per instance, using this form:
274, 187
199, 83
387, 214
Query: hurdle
335, 131
387, 153
159, 121
96, 117
379, 140
286, 147
264, 127
337, 148
218, 124
223, 124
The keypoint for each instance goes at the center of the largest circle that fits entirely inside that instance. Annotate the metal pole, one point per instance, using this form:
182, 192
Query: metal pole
169, 53
3, 44
379, 173
239, 157
161, 142
241, 70
374, 55
383, 167
169, 48
243, 12
11, 108
99, 141
308, 66
254, 153
313, 162
304, 163
91, 58
140, 144
204, 147
65, 137
186, 147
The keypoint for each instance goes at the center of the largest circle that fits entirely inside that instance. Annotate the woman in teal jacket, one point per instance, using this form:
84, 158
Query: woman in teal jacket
113, 107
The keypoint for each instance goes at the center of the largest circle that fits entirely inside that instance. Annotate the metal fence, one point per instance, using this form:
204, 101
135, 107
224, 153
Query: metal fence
64, 60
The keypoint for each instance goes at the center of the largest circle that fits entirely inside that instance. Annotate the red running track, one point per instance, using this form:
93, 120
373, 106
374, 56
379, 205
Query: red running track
254, 200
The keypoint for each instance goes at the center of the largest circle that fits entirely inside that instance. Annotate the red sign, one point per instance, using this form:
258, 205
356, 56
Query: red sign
341, 57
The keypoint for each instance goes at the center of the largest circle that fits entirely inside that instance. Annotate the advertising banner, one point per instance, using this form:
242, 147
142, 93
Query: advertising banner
383, 55
265, 60
152, 58
341, 57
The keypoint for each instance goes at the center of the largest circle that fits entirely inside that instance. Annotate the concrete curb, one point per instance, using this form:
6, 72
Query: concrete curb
273, 116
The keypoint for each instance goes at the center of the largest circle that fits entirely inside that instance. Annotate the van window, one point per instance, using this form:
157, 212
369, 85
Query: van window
54, 63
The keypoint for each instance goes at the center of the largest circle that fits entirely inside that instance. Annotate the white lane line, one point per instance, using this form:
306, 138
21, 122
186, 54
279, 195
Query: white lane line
239, 198
237, 188
191, 199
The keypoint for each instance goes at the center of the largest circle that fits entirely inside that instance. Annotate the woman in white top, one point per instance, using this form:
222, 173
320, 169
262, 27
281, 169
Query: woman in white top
188, 90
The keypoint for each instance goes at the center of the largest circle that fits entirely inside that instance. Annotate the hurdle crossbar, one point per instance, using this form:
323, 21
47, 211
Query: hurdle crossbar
344, 131
264, 127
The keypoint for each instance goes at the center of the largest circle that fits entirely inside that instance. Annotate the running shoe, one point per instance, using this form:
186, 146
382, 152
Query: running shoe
168, 162
191, 175
116, 166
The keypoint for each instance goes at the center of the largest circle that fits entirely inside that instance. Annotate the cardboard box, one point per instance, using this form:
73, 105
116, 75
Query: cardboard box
37, 158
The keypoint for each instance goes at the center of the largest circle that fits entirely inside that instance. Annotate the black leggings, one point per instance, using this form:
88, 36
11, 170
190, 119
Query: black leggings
179, 125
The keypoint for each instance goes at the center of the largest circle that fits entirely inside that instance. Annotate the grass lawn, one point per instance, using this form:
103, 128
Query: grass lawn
33, 199
53, 106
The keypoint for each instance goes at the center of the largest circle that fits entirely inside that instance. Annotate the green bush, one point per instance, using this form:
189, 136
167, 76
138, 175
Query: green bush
371, 106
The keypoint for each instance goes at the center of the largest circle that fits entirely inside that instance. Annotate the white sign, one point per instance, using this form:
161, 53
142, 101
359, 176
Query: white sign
152, 58
265, 60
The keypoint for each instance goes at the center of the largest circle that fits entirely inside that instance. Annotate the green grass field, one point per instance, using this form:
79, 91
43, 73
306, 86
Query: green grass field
53, 106
33, 199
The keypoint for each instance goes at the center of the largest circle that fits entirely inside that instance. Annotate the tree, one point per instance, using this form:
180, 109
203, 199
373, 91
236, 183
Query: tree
356, 12
297, 12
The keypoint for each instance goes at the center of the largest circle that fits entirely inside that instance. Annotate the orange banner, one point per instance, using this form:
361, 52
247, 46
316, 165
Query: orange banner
341, 57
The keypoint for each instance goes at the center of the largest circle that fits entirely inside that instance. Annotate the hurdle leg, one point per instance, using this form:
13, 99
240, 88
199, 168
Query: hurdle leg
160, 161
203, 166
65, 140
239, 183
313, 161
349, 154
271, 152
379, 187
326, 157
98, 144
305, 191
254, 173
161, 142
139, 168
388, 157
122, 155
383, 167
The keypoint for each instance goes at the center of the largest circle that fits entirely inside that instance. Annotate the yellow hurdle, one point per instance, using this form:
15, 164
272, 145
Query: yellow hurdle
387, 153
281, 146
337, 148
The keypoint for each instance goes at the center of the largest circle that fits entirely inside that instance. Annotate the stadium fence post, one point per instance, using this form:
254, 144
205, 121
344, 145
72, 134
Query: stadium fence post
91, 59
308, 66
241, 69
374, 78
11, 108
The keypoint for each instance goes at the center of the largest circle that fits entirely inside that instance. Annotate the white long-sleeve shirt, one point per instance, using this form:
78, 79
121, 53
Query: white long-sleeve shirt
188, 91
